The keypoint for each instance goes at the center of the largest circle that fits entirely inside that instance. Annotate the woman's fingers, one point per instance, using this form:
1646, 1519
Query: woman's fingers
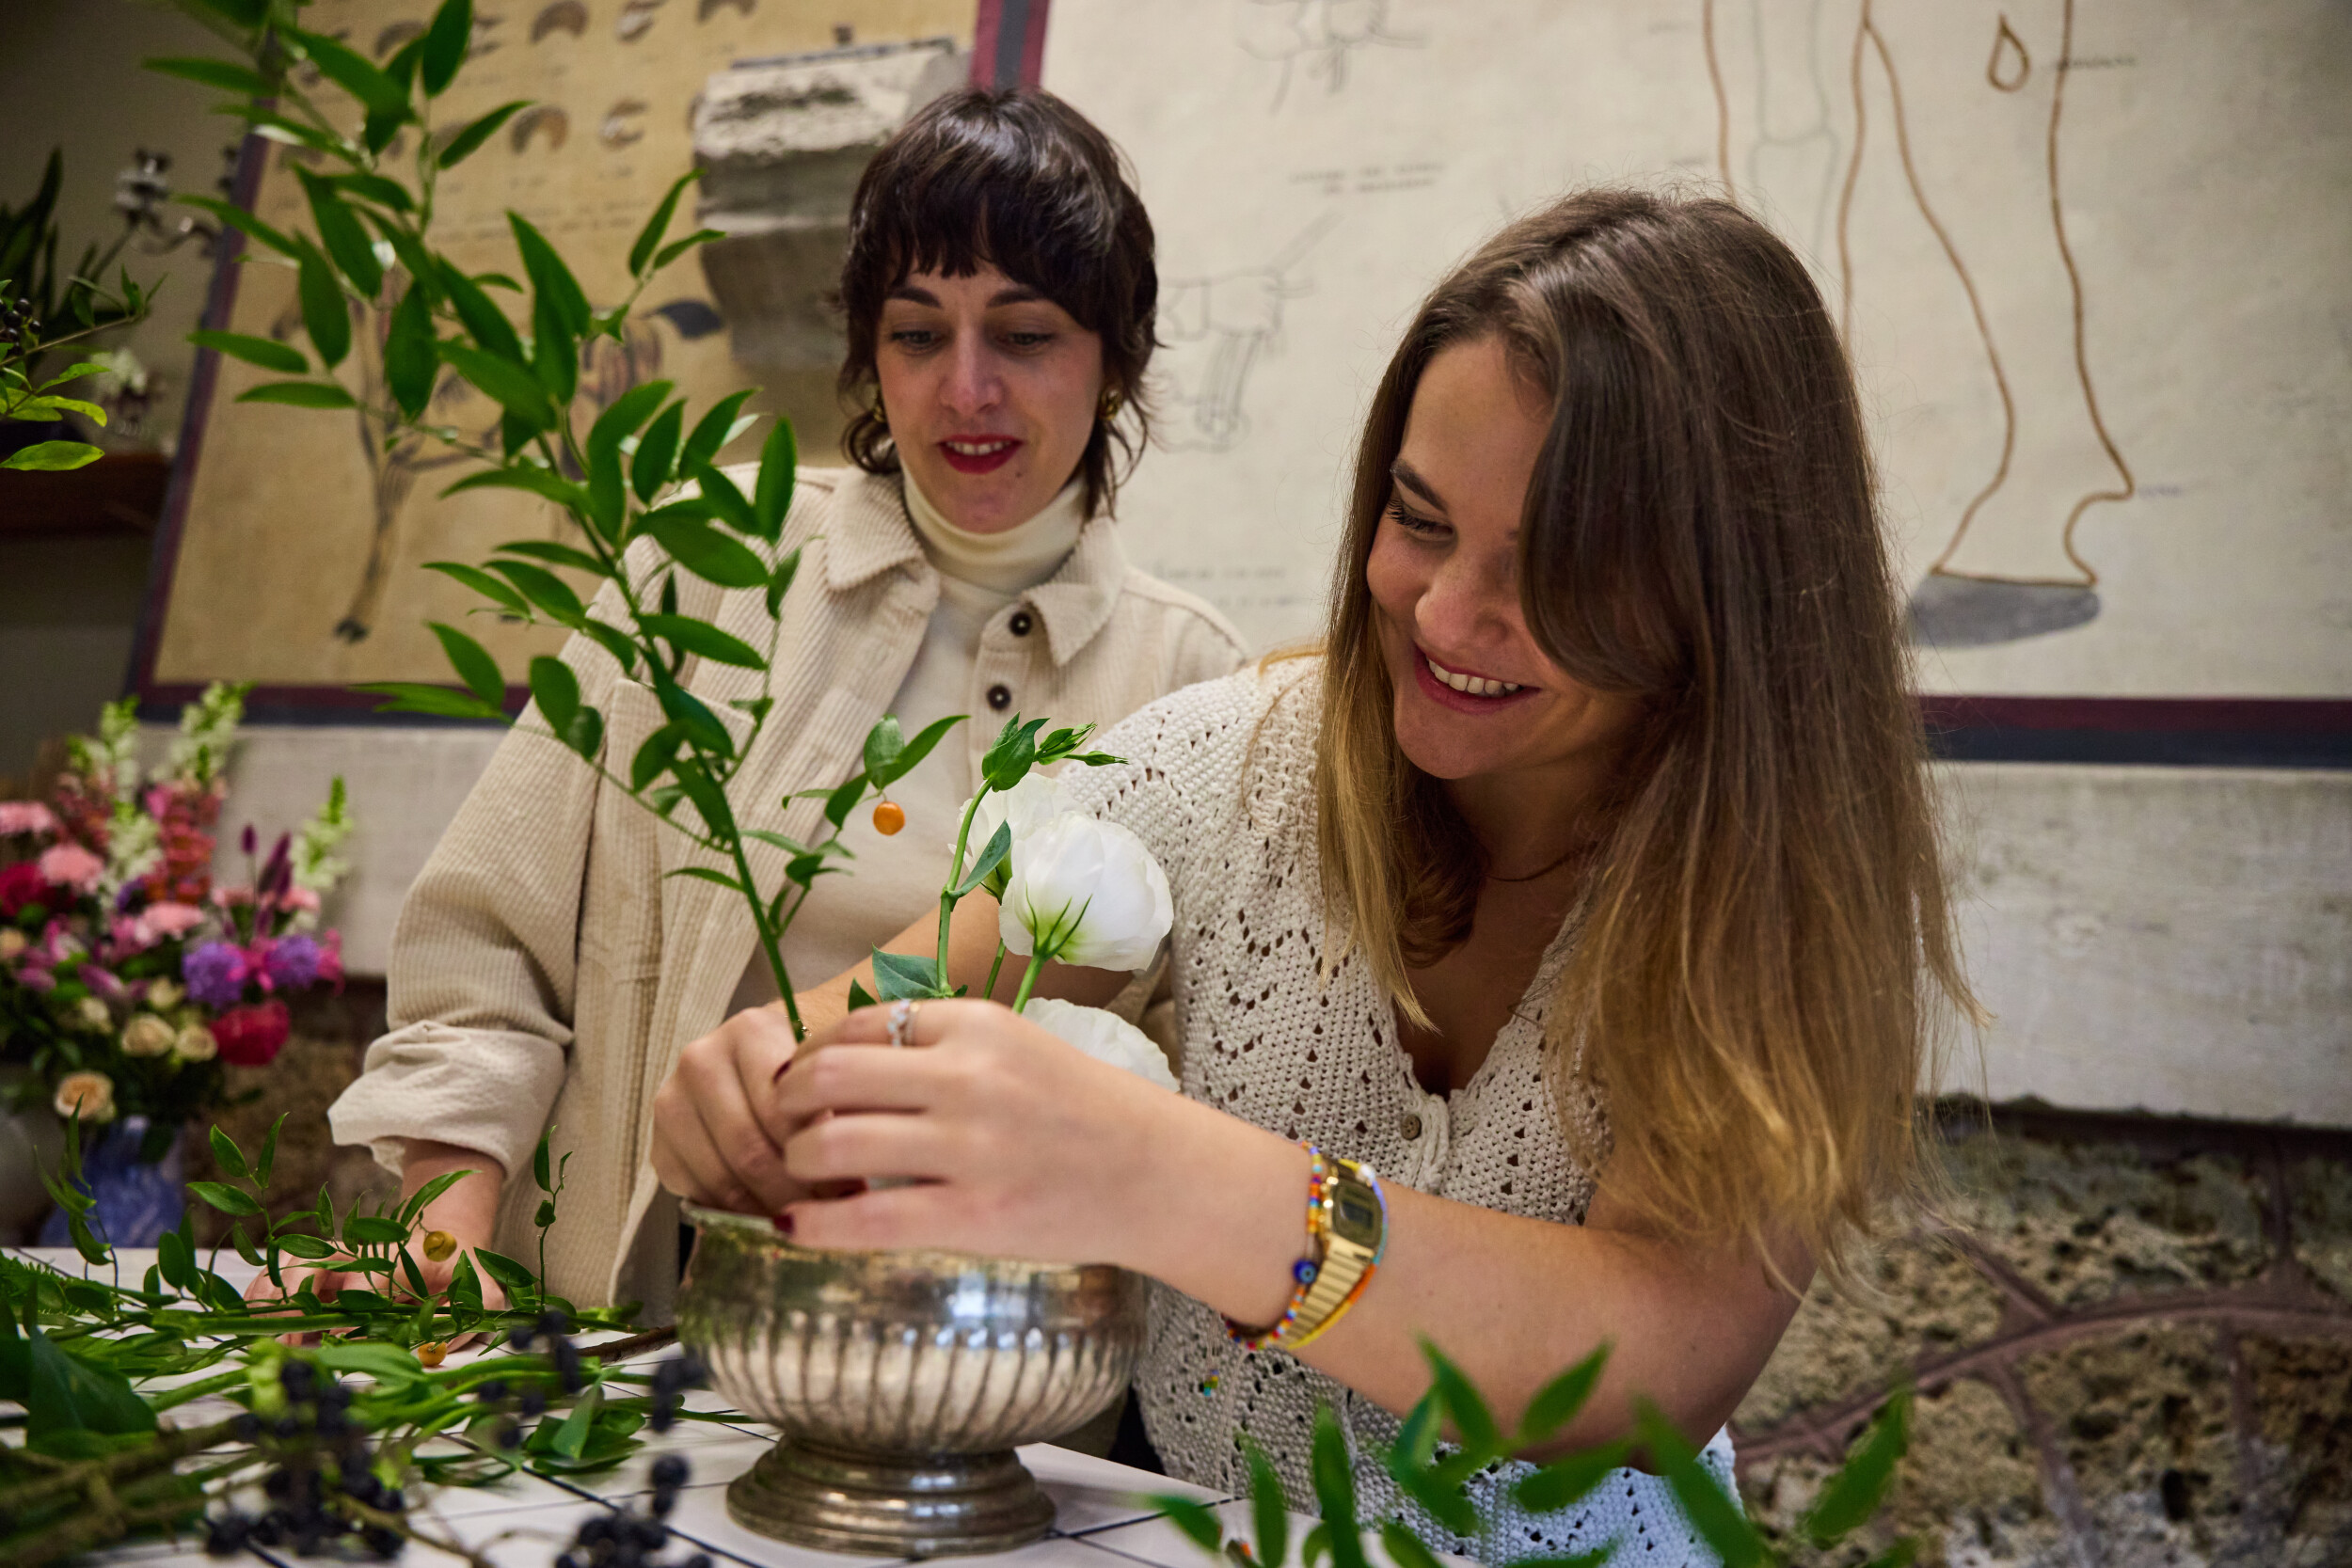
709, 1144
878, 1219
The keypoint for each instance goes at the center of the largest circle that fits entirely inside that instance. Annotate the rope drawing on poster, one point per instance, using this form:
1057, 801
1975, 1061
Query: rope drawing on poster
1320, 33
1211, 331
1789, 77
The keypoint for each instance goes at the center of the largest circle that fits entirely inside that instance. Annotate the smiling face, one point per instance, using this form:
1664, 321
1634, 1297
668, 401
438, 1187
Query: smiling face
990, 389
1475, 697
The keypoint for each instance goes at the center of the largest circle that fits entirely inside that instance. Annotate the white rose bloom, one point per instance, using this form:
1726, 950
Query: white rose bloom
94, 1014
1031, 805
164, 993
1104, 1036
195, 1043
147, 1036
1085, 892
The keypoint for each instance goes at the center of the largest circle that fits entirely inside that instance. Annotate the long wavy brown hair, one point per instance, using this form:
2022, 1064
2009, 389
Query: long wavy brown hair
1766, 970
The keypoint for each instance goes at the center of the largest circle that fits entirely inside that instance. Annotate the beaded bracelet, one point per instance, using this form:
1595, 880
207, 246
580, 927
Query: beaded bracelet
1304, 1272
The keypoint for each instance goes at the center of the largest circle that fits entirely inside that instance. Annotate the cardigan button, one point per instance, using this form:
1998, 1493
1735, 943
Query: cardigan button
1020, 623
1000, 696
1408, 1127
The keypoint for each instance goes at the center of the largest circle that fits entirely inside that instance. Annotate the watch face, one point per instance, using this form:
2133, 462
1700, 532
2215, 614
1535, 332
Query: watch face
1356, 1216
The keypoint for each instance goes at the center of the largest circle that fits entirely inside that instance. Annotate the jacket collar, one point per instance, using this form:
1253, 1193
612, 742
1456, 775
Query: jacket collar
871, 533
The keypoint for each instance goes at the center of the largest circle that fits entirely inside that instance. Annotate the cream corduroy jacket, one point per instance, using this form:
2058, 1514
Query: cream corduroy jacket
545, 967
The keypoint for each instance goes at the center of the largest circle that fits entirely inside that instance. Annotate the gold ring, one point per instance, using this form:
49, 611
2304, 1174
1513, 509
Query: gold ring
902, 1023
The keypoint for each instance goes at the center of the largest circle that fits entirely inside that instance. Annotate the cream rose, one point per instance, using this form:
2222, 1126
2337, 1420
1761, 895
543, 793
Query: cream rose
195, 1043
147, 1036
93, 1013
164, 995
1084, 893
1104, 1036
89, 1095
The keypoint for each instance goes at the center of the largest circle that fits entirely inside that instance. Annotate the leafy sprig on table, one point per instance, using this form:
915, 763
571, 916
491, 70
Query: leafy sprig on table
1435, 1472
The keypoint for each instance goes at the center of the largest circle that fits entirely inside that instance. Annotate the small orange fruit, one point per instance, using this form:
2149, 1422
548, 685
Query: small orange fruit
432, 1353
889, 818
439, 1245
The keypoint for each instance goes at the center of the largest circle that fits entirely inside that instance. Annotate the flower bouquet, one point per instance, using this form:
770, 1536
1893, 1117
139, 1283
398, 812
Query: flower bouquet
129, 980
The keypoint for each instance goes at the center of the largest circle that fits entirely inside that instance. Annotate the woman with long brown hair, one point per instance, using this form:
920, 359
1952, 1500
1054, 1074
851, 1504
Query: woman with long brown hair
1586, 885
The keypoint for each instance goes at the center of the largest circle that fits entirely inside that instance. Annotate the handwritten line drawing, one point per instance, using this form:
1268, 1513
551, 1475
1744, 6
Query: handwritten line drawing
1978, 147
1212, 331
1323, 33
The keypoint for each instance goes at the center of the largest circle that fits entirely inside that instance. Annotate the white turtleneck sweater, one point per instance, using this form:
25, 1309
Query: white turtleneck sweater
894, 881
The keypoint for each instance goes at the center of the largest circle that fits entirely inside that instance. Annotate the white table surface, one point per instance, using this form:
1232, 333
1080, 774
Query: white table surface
526, 1519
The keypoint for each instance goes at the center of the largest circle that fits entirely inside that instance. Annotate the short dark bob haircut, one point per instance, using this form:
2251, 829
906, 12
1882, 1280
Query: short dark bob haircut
1021, 182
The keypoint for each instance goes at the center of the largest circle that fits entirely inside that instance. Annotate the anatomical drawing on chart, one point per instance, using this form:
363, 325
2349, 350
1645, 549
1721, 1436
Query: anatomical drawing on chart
1315, 36
1977, 128
1212, 331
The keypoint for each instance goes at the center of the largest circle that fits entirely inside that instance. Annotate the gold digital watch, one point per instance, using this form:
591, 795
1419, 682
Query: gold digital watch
1351, 1223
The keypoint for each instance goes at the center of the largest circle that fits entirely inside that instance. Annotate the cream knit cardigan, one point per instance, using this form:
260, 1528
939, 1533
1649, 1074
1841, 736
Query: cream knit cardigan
545, 967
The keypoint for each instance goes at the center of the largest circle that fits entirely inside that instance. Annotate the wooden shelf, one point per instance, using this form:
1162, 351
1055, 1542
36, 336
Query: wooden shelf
120, 494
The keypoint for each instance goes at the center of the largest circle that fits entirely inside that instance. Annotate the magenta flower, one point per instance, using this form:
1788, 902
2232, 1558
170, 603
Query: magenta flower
70, 865
215, 973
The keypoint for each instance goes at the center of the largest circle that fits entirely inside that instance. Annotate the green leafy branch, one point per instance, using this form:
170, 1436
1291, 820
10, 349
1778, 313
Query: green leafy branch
1435, 1473
42, 311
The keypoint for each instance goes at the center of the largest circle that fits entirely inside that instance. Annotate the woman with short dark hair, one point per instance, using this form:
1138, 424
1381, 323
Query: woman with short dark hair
998, 293
1570, 932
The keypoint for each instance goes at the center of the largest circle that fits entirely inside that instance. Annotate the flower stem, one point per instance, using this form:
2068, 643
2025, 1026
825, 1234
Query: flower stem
989, 990
955, 876
1028, 980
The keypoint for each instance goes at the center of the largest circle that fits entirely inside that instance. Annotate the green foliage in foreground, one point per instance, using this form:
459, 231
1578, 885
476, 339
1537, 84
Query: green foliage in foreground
42, 308
99, 1365
1435, 1473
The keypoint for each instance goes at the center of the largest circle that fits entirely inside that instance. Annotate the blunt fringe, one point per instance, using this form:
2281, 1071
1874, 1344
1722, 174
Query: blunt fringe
1020, 180
1767, 972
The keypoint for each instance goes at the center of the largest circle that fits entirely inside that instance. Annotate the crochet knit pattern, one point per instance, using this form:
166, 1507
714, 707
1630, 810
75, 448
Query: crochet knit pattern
1219, 783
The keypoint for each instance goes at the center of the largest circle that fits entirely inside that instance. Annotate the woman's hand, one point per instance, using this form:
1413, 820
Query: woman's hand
711, 1118
1020, 1146
467, 1214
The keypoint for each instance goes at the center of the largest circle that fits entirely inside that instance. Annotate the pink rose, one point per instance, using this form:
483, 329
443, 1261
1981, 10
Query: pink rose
29, 817
70, 865
169, 919
300, 898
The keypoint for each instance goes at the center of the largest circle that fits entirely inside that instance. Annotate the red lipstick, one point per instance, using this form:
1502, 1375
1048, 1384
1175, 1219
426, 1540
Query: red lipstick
995, 452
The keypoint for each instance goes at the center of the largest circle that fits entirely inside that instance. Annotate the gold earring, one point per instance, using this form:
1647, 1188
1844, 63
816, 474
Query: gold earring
881, 414
1112, 403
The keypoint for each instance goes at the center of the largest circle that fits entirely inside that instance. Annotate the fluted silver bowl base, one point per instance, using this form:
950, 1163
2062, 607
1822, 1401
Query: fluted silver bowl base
890, 1505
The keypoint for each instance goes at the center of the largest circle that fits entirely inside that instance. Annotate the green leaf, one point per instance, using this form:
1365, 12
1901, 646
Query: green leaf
858, 997
883, 743
650, 236
468, 141
1405, 1548
1849, 1497
465, 1285
906, 976
383, 1362
53, 456
554, 351
388, 194
66, 1394
548, 593
1715, 1515
676, 248
771, 498
1334, 1490
350, 71
309, 1248
269, 1143
227, 1155
705, 874
629, 410
75, 372
550, 278
844, 799
229, 1200
526, 476
557, 555
516, 389
441, 701
615, 642
484, 320
556, 689
657, 453
341, 231
655, 753
238, 218
703, 728
1010, 756
724, 499
175, 1261
704, 641
710, 432
514, 1275
374, 1231
271, 356
227, 76
780, 581
1316, 1548
422, 1199
302, 395
324, 316
482, 583
914, 750
1473, 1423
585, 733
1198, 1521
411, 357
1565, 1482
999, 848
1559, 1400
706, 552
445, 44
472, 662
1269, 1509
572, 1436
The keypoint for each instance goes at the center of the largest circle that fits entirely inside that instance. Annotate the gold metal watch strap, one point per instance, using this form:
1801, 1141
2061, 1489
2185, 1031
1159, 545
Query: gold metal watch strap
1351, 1225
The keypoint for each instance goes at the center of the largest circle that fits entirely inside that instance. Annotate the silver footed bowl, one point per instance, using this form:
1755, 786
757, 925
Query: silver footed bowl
902, 1382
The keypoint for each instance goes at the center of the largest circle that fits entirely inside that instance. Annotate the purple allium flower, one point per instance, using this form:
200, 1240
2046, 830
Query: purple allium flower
294, 961
215, 973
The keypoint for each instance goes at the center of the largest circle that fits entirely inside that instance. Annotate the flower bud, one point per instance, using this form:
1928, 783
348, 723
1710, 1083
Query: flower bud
440, 1245
1085, 892
148, 1036
89, 1095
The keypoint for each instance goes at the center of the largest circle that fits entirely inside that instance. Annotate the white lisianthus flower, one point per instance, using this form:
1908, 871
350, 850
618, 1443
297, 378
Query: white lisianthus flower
147, 1036
1084, 893
1104, 1036
91, 1095
195, 1043
1031, 805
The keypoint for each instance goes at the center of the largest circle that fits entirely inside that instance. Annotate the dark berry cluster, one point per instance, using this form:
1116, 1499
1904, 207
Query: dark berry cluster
18, 325
672, 1379
623, 1538
322, 1490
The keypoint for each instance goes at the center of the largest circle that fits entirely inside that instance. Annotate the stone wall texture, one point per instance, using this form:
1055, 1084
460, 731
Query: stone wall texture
2131, 1347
